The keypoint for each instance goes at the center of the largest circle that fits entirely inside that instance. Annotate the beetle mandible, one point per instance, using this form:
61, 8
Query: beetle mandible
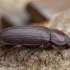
34, 36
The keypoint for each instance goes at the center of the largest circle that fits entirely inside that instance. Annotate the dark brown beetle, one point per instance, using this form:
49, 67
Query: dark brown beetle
24, 36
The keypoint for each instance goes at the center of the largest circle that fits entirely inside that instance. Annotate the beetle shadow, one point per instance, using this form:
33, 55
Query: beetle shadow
48, 47
5, 47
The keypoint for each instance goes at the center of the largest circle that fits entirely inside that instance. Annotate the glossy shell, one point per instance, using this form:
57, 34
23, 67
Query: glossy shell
59, 38
26, 35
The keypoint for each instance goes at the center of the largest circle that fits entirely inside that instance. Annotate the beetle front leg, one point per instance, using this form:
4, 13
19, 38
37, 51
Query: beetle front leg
17, 46
57, 51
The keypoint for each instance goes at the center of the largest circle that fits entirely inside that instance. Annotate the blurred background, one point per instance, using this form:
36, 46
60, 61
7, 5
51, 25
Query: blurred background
29, 12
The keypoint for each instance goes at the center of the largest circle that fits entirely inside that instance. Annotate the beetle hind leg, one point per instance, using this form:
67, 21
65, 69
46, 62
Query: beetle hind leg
17, 46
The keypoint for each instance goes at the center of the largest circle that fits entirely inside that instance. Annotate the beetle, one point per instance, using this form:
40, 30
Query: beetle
33, 36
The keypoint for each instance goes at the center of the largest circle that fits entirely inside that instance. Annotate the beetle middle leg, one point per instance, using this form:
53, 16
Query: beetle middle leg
17, 46
42, 46
53, 46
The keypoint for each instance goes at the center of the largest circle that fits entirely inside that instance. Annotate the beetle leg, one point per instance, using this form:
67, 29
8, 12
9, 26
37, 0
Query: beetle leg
17, 46
42, 46
58, 51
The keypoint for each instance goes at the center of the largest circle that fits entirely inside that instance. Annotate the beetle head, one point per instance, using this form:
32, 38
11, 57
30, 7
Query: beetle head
67, 40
